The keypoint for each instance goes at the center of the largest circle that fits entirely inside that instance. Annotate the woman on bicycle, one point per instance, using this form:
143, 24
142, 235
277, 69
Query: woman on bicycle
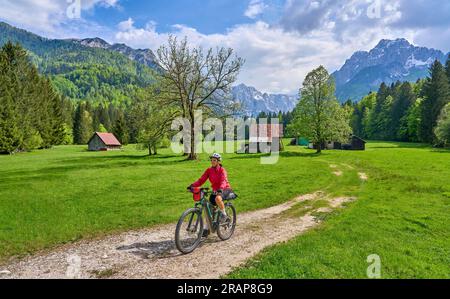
218, 177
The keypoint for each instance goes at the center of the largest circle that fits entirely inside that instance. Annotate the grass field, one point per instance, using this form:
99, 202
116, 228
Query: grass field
64, 194
402, 215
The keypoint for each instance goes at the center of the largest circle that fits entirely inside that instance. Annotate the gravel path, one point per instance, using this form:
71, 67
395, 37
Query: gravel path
151, 253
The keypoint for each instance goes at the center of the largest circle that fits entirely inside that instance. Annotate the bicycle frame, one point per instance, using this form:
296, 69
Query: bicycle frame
211, 212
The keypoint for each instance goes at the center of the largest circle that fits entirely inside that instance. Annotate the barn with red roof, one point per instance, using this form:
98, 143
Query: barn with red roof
104, 142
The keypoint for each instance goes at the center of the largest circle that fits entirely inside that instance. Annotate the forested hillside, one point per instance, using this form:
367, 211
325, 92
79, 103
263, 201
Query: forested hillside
81, 72
32, 113
403, 111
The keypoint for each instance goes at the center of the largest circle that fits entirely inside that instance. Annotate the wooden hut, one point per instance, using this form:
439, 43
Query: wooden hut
355, 144
104, 142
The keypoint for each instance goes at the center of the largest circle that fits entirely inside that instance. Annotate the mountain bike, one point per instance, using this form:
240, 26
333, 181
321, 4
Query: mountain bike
190, 227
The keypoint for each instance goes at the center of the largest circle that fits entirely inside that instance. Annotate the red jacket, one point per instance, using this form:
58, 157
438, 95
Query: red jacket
217, 176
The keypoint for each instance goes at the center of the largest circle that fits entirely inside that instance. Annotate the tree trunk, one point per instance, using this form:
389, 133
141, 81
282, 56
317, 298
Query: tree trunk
149, 150
319, 148
193, 154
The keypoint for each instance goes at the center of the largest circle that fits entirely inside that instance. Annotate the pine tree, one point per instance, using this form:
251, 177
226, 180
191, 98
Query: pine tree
82, 128
120, 130
436, 94
96, 119
405, 98
22, 89
379, 121
113, 116
104, 118
58, 125
43, 118
77, 118
36, 106
10, 136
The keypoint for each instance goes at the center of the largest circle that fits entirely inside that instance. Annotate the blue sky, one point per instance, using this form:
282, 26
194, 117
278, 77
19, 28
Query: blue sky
208, 16
281, 40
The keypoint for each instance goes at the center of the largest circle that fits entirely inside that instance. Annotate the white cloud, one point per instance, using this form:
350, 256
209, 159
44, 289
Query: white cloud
255, 8
278, 57
276, 61
418, 20
126, 25
47, 16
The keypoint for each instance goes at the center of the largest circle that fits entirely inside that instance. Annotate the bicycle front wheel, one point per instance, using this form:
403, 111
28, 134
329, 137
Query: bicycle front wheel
189, 231
226, 230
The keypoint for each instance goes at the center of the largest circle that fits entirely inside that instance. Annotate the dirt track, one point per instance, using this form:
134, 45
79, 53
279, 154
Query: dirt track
151, 253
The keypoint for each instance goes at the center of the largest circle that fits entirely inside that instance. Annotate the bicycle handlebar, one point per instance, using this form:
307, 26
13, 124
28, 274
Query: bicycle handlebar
201, 189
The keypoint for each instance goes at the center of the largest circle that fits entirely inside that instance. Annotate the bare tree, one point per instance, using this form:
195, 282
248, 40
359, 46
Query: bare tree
194, 80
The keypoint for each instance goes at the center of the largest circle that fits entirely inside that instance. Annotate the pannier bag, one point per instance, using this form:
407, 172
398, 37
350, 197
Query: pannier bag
197, 193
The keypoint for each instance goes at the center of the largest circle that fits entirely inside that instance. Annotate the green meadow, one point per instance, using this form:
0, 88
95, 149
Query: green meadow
402, 215
61, 195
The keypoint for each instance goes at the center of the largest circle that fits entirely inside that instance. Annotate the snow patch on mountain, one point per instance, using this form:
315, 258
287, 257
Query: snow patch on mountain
389, 61
413, 62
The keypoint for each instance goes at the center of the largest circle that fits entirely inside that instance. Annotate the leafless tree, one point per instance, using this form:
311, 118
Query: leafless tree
192, 80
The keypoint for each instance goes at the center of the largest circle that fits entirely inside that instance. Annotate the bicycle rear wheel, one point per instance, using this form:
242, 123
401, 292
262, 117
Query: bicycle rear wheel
189, 231
225, 231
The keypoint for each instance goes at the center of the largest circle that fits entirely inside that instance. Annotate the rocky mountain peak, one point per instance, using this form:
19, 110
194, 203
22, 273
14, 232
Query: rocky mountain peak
389, 61
253, 101
94, 43
397, 43
143, 56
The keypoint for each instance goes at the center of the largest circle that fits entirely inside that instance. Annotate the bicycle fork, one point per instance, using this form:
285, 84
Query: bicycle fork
191, 229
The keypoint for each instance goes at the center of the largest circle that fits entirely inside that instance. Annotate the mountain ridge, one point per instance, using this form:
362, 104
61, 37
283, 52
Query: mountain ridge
143, 56
363, 72
254, 101
388, 61
80, 72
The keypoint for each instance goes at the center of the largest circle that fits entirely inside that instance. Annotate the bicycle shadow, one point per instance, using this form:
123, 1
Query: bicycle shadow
158, 250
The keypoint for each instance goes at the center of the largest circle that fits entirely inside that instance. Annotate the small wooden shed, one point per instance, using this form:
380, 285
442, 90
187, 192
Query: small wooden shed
104, 142
355, 144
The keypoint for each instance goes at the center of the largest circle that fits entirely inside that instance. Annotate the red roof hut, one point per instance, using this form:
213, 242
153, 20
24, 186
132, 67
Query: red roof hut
104, 142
